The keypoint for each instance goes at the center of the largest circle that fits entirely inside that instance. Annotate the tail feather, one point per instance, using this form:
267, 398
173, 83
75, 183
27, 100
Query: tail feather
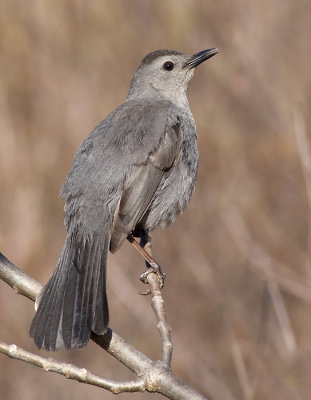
74, 302
77, 316
44, 328
101, 321
53, 306
72, 290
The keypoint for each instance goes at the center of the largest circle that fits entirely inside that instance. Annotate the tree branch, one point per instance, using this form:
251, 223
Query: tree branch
155, 281
158, 307
153, 376
70, 371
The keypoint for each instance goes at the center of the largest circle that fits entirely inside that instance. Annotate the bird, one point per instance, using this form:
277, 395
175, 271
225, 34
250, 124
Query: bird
134, 172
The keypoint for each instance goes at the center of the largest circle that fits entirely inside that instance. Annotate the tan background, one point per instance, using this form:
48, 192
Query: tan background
238, 289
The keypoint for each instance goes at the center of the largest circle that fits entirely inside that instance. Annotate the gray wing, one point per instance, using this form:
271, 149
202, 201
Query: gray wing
119, 167
142, 183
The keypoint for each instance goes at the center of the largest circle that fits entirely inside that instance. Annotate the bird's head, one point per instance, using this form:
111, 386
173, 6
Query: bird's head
166, 73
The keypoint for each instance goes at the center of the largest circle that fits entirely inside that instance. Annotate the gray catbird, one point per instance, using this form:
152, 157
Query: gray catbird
135, 171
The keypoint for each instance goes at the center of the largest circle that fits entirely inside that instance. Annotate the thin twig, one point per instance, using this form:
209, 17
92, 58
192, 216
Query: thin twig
158, 307
162, 325
70, 371
153, 376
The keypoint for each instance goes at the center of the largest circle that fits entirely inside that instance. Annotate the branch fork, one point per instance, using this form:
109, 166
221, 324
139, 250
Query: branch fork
153, 376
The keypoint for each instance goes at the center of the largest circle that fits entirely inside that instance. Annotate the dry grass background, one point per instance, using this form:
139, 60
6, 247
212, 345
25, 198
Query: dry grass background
238, 290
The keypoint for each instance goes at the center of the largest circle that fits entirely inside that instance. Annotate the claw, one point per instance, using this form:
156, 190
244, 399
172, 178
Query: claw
153, 268
145, 293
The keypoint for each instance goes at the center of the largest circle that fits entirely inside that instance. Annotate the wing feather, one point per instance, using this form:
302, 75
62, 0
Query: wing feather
141, 185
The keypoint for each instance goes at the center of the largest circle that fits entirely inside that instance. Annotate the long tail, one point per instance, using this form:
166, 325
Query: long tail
73, 302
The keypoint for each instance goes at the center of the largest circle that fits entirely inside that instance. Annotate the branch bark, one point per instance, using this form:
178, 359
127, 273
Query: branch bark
70, 371
153, 376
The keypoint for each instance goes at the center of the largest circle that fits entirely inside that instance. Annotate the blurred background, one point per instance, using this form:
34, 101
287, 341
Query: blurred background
238, 287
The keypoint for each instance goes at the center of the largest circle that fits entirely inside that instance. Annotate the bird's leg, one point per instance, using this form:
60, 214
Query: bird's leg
144, 248
145, 242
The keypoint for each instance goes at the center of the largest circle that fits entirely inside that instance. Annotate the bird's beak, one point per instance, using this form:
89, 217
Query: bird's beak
198, 58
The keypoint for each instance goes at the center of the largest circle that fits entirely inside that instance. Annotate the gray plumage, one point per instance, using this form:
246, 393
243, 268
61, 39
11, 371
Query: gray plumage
135, 171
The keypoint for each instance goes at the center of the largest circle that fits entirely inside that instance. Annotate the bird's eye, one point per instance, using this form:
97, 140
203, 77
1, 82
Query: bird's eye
168, 66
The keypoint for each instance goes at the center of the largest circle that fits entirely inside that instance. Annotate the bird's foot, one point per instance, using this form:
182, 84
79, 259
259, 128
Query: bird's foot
144, 248
153, 267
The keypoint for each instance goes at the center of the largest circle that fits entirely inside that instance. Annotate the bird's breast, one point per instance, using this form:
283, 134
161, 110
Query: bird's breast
176, 188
